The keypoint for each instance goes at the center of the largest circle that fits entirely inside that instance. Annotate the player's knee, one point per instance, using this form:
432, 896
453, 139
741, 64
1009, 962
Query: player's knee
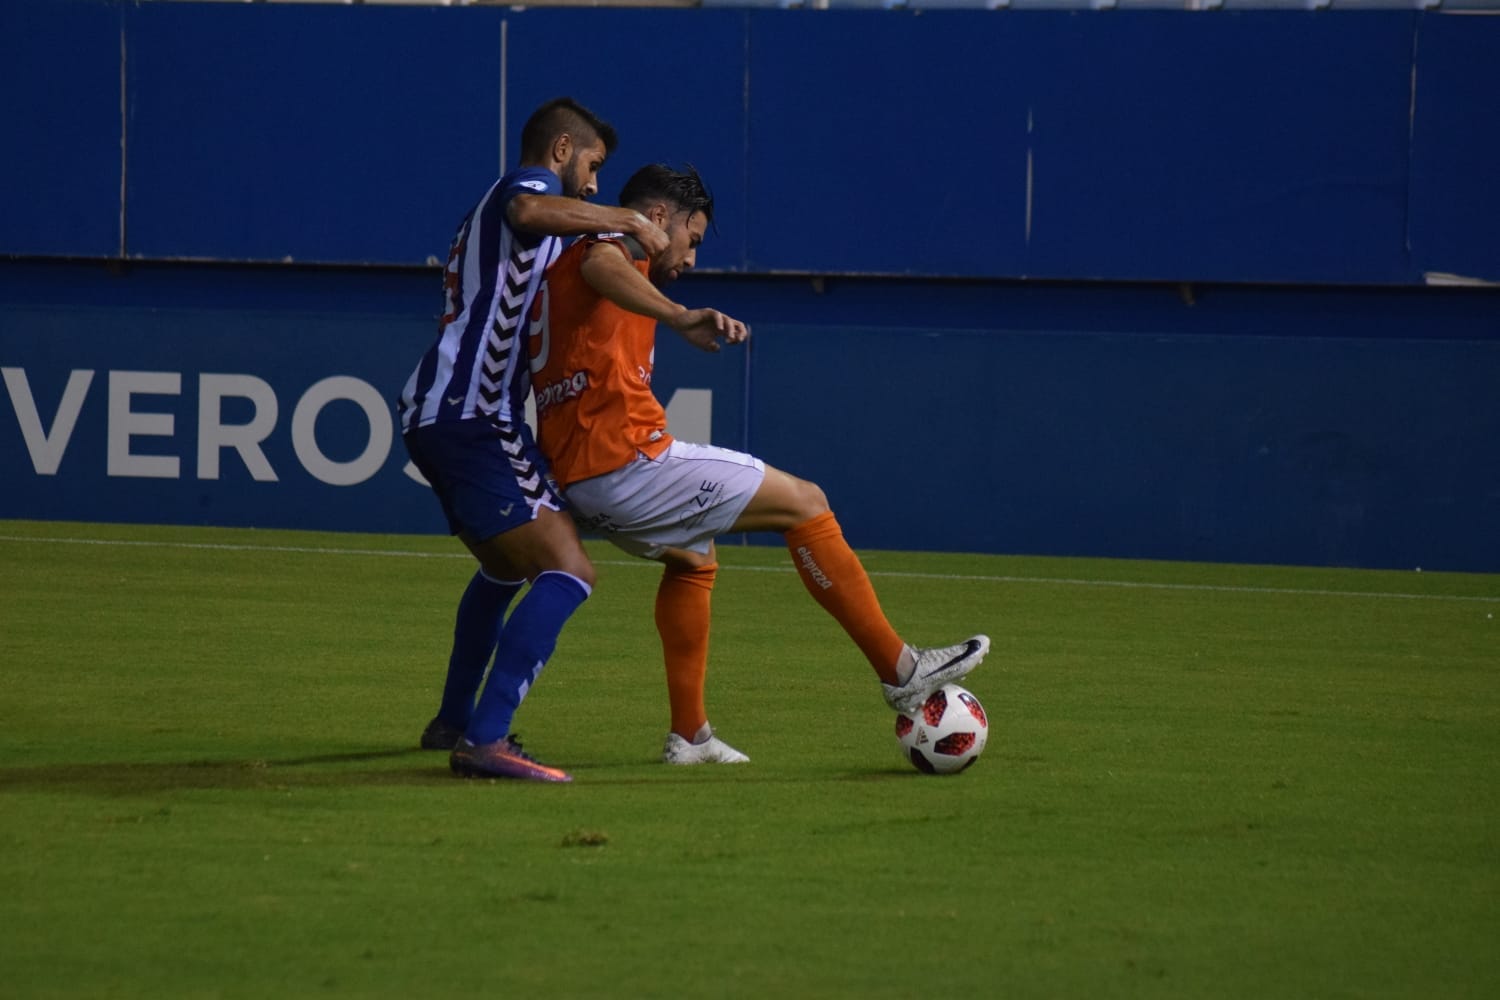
554, 545
686, 560
581, 568
811, 500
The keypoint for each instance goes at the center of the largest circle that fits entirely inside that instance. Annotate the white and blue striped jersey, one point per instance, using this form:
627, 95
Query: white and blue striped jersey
478, 367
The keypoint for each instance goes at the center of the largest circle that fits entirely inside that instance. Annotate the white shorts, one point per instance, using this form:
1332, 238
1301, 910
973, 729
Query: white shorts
683, 499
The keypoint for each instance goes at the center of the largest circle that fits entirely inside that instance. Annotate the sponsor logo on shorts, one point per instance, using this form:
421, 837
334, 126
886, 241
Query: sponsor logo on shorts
813, 570
696, 510
597, 522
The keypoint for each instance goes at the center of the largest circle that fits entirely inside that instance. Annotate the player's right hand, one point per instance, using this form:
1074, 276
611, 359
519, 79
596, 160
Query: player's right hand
648, 234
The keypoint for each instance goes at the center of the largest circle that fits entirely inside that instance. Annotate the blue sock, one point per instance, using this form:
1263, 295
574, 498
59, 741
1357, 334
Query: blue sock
476, 629
525, 644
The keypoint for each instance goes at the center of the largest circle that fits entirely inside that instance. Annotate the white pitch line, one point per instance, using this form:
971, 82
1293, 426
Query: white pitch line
222, 547
1126, 584
895, 574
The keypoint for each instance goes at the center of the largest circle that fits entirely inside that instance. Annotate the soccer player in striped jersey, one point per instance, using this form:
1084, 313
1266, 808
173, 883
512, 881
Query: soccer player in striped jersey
462, 422
592, 344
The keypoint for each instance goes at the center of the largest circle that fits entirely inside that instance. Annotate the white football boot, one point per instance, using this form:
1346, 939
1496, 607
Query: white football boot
706, 748
934, 668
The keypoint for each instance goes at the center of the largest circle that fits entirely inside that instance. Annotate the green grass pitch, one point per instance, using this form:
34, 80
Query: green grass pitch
1201, 781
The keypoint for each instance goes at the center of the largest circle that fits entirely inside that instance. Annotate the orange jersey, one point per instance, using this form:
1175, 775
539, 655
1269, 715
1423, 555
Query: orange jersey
591, 365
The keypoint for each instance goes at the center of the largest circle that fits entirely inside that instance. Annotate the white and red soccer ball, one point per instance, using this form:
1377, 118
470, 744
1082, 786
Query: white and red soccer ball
944, 734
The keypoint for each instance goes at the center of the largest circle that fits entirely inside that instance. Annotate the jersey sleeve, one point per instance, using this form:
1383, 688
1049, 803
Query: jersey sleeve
530, 180
526, 180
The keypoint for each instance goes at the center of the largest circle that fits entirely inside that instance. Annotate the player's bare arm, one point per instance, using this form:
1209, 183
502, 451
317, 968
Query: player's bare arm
555, 215
608, 271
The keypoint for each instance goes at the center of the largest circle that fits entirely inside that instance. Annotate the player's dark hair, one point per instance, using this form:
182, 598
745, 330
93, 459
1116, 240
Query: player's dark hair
560, 116
659, 182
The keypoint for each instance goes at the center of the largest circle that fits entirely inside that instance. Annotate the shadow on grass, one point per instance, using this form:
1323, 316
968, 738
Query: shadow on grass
333, 770
314, 770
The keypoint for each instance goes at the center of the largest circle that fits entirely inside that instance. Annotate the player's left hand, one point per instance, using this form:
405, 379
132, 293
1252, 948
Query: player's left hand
705, 328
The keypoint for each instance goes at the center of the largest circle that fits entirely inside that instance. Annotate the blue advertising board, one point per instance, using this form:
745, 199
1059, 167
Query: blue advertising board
368, 141
1305, 147
890, 185
1260, 426
61, 119
244, 399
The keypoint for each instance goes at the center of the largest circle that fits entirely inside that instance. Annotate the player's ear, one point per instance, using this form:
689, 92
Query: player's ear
562, 148
659, 214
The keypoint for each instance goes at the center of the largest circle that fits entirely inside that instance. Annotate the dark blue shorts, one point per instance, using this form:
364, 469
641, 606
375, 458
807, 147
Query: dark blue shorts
488, 478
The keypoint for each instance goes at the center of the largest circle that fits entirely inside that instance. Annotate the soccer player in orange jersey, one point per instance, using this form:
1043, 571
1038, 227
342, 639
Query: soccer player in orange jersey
592, 342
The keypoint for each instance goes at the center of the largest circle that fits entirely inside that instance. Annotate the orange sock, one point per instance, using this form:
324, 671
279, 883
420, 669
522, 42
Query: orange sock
682, 617
837, 580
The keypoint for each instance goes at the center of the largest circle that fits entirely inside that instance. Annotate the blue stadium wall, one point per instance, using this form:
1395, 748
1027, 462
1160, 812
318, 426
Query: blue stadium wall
1210, 285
